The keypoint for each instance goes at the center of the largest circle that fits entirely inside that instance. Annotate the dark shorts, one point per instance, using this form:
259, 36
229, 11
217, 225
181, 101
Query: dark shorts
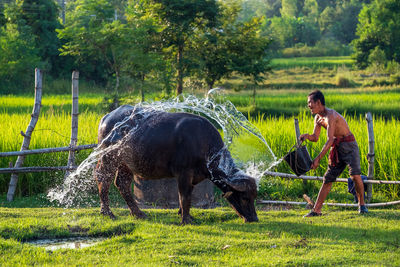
349, 155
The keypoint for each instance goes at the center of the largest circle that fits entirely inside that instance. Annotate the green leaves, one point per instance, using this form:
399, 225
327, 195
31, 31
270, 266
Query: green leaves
379, 27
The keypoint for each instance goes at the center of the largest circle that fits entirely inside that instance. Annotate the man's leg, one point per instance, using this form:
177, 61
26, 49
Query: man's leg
359, 188
323, 193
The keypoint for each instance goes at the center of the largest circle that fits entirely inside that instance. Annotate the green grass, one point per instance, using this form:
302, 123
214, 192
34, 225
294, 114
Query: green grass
279, 134
217, 238
311, 62
384, 102
53, 130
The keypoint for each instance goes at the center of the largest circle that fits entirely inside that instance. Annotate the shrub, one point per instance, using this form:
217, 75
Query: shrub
343, 81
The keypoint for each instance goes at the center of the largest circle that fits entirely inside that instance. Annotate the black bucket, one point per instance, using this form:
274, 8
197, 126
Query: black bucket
299, 160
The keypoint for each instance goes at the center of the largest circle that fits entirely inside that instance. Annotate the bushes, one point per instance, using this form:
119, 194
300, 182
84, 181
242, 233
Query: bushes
322, 48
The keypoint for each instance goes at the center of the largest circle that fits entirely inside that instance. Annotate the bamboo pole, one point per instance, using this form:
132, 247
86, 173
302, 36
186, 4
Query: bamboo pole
27, 135
36, 169
74, 120
371, 154
46, 150
297, 130
343, 180
382, 204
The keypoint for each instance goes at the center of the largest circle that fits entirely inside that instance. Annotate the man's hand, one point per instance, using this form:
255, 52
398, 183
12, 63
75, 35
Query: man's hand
315, 163
303, 137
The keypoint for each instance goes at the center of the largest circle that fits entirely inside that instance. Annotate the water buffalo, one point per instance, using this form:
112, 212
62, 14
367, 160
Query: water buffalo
154, 145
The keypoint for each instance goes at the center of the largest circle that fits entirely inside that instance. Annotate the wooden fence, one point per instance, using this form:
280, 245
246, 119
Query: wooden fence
370, 177
72, 148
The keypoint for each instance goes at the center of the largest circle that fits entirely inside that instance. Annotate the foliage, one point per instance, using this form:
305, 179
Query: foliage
17, 56
144, 55
288, 31
235, 46
259, 8
92, 34
379, 27
41, 17
377, 60
325, 48
181, 19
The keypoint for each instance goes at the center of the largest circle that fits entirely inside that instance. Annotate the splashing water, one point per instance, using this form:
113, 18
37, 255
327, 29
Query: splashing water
247, 146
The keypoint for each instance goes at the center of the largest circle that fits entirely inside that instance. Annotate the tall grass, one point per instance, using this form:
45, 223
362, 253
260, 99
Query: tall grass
280, 135
53, 130
311, 62
383, 102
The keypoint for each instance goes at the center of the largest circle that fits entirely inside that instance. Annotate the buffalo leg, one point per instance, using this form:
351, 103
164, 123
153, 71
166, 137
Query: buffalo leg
123, 182
185, 189
104, 173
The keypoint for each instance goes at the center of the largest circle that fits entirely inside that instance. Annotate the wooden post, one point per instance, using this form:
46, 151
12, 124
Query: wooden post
27, 135
297, 129
74, 121
371, 154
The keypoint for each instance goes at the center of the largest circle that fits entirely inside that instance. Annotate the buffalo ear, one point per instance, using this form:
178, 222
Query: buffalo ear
238, 185
227, 194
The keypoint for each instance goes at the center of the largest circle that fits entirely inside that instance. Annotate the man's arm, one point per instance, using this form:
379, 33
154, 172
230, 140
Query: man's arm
315, 135
331, 125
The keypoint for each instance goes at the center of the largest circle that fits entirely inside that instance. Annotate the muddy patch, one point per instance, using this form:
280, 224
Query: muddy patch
67, 243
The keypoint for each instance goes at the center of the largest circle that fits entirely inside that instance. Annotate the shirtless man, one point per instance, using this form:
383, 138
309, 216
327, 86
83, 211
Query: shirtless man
344, 151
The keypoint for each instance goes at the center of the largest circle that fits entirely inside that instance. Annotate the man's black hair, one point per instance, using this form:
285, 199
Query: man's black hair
317, 95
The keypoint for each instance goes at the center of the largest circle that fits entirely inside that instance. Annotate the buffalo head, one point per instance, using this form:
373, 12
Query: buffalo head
241, 196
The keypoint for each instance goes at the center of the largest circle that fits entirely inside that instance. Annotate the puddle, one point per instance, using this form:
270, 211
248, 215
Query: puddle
69, 243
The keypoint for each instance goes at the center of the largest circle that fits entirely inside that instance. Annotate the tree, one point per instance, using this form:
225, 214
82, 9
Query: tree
42, 18
249, 50
287, 32
259, 8
208, 48
233, 46
379, 26
289, 9
18, 57
310, 10
327, 20
143, 56
91, 33
182, 18
345, 27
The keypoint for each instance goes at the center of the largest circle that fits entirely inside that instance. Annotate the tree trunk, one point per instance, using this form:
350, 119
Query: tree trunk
142, 87
117, 81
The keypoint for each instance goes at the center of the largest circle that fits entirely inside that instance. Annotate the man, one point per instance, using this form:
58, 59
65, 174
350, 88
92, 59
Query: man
344, 151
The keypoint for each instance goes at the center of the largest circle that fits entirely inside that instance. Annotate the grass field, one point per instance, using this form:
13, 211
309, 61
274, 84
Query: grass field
53, 130
217, 238
313, 62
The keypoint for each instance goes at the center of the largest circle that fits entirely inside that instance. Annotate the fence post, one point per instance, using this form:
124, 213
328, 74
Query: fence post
74, 120
297, 129
27, 135
371, 154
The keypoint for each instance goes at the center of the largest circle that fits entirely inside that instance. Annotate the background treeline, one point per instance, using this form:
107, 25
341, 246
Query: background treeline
167, 45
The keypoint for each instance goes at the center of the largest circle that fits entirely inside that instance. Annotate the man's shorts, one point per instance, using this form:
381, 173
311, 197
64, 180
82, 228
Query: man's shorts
349, 155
